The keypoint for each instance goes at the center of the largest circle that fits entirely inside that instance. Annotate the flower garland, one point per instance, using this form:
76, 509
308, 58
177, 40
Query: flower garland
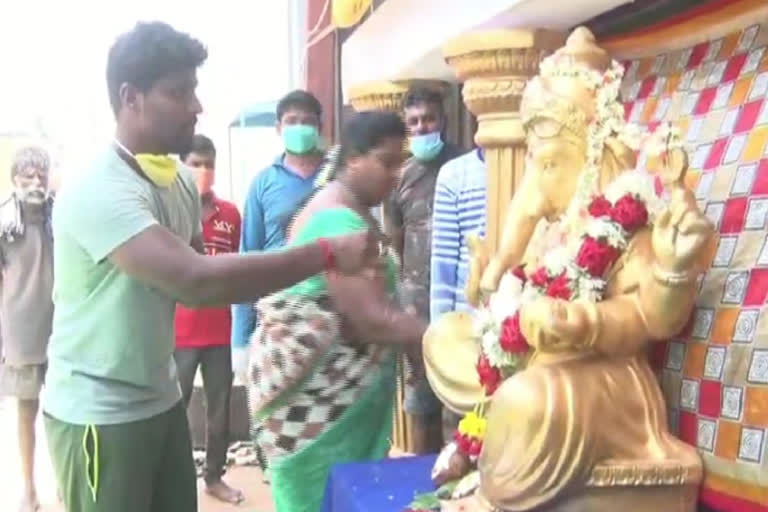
576, 271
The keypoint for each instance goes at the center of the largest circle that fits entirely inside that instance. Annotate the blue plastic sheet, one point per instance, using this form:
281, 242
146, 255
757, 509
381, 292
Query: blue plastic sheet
383, 486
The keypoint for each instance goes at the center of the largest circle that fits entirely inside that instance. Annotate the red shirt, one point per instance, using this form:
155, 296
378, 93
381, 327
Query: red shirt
209, 327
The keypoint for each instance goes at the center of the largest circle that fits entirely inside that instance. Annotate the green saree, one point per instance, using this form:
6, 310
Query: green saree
319, 398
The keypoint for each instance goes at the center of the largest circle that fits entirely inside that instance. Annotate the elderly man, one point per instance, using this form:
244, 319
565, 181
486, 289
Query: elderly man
26, 307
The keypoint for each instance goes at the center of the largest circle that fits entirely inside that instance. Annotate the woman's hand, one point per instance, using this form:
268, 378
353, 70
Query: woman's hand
370, 312
555, 325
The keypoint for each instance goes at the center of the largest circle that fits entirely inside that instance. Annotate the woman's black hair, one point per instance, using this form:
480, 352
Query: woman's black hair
362, 132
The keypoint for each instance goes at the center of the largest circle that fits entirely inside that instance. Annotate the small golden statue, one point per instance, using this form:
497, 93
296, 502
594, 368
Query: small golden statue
593, 266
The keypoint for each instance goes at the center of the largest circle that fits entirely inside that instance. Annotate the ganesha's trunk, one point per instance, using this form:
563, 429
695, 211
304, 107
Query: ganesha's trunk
527, 208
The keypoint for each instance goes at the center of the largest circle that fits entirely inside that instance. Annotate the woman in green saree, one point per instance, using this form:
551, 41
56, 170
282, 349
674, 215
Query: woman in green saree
322, 374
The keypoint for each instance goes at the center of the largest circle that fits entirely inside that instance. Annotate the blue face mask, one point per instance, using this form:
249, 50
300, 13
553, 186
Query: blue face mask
300, 139
426, 147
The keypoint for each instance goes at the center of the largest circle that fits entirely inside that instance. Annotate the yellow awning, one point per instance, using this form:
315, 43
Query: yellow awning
346, 13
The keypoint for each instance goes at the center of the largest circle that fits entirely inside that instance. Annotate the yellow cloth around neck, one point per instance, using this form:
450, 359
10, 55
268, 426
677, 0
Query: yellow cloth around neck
160, 169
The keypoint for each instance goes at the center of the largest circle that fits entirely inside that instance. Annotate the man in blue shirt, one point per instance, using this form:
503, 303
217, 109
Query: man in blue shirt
273, 197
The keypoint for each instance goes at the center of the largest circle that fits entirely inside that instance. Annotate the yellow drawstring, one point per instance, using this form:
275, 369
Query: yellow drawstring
92, 463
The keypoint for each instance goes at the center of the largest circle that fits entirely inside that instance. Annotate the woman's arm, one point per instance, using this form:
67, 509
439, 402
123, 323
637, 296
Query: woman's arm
366, 307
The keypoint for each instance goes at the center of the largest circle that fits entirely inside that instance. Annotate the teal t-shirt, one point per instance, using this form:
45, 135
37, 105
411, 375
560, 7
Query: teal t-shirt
110, 357
329, 223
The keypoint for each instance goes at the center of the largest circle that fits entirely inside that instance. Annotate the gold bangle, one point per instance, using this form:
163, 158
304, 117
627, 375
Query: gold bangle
672, 279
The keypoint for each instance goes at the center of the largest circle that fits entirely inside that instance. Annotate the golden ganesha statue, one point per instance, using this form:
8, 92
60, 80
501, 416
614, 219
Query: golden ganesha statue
563, 410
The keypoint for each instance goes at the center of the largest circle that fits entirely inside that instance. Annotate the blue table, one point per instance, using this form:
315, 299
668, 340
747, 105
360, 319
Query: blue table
384, 486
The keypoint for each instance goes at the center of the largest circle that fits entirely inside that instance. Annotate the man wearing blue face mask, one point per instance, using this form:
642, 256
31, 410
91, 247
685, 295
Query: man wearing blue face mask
274, 195
408, 220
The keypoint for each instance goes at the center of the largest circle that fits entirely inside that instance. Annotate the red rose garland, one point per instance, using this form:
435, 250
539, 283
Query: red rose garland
595, 256
630, 213
560, 288
593, 260
512, 339
490, 376
599, 207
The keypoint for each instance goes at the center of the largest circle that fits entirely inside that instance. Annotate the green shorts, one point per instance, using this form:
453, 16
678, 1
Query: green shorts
143, 466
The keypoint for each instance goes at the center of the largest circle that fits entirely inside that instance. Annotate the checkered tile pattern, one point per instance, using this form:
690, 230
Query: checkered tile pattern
298, 352
715, 375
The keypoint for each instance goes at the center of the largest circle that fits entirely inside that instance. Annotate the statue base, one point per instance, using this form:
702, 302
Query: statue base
636, 499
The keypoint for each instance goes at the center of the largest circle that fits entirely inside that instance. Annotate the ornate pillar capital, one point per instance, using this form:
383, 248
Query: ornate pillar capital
387, 95
495, 66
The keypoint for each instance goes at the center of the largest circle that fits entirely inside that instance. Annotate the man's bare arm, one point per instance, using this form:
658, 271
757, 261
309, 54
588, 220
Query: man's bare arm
161, 259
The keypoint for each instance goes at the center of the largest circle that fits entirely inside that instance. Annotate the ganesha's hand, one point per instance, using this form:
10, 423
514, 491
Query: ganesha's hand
680, 233
492, 275
478, 262
555, 325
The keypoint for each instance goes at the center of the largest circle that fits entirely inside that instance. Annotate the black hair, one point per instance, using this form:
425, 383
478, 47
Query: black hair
419, 95
299, 100
148, 52
365, 130
362, 132
201, 145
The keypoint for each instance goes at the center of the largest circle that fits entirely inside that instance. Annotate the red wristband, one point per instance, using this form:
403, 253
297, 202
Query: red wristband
329, 259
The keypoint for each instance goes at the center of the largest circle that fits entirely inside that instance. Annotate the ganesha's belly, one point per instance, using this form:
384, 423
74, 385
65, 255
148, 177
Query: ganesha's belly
614, 405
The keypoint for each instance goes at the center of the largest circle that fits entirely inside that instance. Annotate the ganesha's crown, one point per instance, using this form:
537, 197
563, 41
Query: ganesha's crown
577, 86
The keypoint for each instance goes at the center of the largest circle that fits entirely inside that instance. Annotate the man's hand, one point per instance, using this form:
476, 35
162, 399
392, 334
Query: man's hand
356, 251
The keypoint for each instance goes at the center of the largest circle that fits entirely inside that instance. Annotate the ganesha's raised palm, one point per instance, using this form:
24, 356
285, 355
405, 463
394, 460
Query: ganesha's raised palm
680, 233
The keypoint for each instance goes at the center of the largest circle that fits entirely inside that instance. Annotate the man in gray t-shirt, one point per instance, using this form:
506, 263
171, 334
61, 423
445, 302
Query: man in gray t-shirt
26, 306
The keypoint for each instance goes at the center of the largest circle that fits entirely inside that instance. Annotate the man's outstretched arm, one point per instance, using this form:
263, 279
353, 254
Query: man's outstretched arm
159, 258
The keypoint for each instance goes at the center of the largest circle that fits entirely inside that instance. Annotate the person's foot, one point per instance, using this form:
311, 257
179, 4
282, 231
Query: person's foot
223, 492
29, 503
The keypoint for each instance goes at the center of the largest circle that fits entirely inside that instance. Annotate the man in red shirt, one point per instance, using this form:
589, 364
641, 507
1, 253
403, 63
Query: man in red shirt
203, 335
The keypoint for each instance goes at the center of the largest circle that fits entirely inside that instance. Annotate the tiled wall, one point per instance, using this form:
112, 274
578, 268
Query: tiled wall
715, 376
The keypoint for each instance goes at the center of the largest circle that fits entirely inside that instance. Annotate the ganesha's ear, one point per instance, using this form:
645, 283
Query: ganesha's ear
620, 156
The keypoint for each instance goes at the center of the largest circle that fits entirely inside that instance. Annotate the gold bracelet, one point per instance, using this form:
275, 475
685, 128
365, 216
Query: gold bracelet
672, 279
